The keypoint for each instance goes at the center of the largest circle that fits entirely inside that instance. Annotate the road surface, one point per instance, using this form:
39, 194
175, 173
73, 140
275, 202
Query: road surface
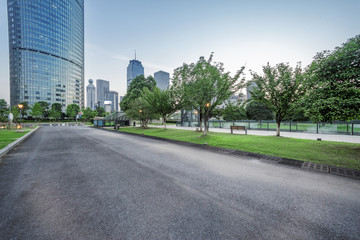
81, 183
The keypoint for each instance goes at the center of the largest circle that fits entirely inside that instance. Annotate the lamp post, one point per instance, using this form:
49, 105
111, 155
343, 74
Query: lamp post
142, 123
20, 106
207, 105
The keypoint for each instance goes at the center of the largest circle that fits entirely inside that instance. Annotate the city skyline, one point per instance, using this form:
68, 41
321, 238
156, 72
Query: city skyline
166, 35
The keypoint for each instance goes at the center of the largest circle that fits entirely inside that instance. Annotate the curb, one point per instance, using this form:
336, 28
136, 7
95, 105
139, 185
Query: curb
10, 146
314, 167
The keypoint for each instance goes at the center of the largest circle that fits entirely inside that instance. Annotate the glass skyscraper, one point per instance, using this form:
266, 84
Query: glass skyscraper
102, 91
113, 96
46, 49
162, 80
134, 69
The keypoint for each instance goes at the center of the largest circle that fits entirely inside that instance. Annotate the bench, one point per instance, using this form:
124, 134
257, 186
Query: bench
238, 128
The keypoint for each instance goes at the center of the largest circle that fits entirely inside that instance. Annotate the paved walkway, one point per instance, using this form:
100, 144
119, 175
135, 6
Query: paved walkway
82, 183
312, 136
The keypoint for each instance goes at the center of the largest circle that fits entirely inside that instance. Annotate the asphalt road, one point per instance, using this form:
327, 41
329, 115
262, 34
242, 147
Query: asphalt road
84, 183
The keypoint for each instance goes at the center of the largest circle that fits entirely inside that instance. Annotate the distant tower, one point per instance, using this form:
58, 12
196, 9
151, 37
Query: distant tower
113, 96
90, 95
134, 69
102, 90
162, 80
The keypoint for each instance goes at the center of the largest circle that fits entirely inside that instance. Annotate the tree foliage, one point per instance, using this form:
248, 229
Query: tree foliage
258, 111
140, 109
279, 88
55, 112
88, 114
72, 110
334, 81
206, 85
233, 112
25, 109
99, 112
135, 88
4, 110
161, 102
45, 106
37, 111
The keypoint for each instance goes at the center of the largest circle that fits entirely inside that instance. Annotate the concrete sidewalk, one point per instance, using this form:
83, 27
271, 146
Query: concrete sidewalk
311, 136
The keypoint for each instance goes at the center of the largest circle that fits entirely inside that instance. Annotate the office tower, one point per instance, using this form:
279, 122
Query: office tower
113, 96
134, 69
162, 80
46, 51
102, 90
90, 95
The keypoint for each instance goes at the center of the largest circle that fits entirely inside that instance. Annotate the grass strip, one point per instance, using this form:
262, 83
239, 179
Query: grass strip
346, 155
9, 136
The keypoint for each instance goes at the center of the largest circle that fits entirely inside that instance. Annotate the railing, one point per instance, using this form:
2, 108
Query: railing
337, 127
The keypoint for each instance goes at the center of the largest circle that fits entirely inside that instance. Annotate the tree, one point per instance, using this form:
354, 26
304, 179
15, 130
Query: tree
161, 102
141, 110
206, 85
258, 111
135, 88
55, 111
4, 111
88, 114
45, 107
25, 109
279, 89
72, 110
334, 81
233, 112
100, 112
37, 111
16, 113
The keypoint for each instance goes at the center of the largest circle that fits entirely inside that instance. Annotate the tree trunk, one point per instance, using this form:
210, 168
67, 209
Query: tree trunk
164, 122
278, 128
205, 126
200, 120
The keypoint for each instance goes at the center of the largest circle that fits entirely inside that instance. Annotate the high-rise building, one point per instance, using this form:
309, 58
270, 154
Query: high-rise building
162, 80
90, 95
46, 51
113, 96
134, 69
102, 90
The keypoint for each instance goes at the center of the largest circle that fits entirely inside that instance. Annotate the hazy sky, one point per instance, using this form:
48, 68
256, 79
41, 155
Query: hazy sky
168, 33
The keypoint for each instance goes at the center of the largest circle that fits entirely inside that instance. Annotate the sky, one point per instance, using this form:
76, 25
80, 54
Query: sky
168, 33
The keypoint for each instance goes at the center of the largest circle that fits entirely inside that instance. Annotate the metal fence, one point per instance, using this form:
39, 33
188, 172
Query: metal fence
336, 127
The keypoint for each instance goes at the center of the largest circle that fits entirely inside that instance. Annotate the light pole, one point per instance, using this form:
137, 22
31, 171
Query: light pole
141, 120
20, 106
207, 105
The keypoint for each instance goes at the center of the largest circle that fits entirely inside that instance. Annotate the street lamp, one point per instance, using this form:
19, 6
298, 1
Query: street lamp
140, 111
20, 106
207, 105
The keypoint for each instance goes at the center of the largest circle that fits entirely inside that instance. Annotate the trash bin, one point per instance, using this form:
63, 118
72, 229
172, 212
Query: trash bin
134, 124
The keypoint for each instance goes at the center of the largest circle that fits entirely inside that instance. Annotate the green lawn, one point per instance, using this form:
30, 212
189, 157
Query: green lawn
339, 154
8, 136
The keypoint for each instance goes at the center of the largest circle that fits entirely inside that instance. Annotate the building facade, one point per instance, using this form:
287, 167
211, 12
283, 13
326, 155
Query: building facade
90, 95
113, 96
102, 91
134, 69
46, 51
162, 80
